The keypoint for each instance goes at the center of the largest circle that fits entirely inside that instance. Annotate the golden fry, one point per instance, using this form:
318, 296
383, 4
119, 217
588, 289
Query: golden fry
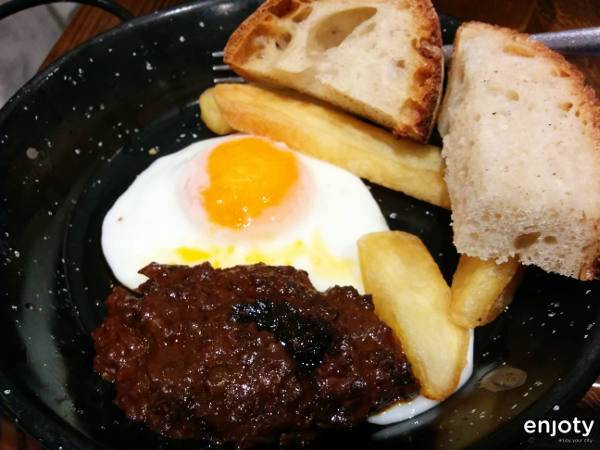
331, 135
412, 297
211, 114
481, 289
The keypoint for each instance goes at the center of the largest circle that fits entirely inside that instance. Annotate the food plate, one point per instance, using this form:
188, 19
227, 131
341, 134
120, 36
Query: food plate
75, 137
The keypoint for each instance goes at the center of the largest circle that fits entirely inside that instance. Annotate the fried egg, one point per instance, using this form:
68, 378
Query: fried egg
242, 200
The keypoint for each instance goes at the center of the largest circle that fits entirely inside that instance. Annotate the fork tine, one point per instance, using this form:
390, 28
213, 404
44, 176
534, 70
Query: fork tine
224, 68
221, 67
218, 80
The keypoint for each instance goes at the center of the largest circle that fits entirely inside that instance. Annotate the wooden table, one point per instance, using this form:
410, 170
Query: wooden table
526, 15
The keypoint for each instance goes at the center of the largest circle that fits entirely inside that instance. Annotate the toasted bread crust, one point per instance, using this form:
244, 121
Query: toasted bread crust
590, 270
239, 47
414, 118
587, 107
429, 80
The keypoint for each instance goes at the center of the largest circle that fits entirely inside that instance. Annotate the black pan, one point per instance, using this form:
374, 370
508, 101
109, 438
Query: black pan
73, 139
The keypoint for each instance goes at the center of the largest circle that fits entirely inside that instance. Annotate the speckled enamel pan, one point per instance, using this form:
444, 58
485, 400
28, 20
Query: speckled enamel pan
70, 143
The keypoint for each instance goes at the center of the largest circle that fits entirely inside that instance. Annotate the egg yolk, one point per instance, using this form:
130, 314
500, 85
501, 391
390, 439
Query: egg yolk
247, 177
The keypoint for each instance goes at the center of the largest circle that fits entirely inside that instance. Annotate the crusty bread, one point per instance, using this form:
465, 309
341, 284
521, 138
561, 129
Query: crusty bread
522, 146
380, 59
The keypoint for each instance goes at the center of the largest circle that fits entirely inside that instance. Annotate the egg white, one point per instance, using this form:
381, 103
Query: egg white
420, 404
150, 220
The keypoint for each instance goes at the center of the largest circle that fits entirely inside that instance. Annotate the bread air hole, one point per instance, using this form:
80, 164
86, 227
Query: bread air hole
367, 29
518, 50
282, 41
400, 63
302, 14
526, 240
332, 30
550, 240
284, 8
460, 73
421, 76
512, 95
279, 35
565, 106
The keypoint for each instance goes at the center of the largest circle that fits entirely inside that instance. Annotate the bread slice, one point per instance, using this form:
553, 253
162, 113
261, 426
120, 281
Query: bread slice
380, 59
521, 138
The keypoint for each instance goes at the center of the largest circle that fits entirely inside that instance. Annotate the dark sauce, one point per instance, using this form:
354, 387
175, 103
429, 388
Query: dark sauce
247, 355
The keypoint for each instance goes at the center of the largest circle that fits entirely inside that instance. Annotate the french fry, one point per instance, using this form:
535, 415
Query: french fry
211, 114
328, 134
412, 298
481, 289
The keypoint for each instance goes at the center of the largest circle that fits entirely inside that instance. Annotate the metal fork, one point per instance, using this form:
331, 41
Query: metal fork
224, 68
582, 41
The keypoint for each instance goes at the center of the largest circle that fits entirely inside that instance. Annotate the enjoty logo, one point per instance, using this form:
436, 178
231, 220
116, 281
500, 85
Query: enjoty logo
551, 427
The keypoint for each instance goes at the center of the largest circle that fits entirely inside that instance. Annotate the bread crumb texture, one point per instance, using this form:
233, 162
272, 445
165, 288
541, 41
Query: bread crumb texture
521, 137
380, 59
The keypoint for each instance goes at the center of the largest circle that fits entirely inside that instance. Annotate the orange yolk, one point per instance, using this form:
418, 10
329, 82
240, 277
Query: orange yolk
247, 177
